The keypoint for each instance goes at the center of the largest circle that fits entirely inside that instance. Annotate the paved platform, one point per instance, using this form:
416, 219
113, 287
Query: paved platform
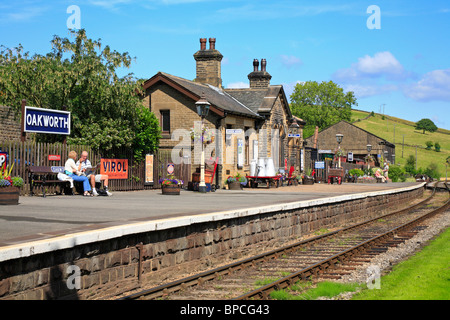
37, 218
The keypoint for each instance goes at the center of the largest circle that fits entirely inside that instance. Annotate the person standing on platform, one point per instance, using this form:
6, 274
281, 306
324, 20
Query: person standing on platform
386, 171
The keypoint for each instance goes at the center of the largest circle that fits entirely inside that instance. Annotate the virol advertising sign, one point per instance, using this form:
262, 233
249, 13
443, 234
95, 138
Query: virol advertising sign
114, 168
41, 120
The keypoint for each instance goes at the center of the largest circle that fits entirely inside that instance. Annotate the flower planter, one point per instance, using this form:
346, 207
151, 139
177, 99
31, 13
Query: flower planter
308, 181
171, 189
9, 195
234, 186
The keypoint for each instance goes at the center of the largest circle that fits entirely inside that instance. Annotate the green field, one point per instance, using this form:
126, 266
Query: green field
395, 130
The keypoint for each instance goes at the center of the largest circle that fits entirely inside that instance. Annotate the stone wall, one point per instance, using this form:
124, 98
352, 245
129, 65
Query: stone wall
109, 266
9, 125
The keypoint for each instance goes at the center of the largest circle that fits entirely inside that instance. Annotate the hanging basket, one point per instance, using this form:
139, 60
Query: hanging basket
171, 189
9, 195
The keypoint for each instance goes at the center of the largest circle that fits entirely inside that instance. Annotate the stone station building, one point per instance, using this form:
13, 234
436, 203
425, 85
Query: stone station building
247, 124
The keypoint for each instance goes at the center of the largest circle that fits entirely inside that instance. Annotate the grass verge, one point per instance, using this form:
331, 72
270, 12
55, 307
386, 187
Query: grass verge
425, 276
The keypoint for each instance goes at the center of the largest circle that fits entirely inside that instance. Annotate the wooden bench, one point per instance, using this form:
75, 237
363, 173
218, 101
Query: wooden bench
45, 176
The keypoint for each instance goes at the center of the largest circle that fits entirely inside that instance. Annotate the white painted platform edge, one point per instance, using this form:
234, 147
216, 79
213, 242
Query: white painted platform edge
71, 240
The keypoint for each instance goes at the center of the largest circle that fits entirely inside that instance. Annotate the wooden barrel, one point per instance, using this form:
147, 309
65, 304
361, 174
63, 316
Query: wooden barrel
9, 196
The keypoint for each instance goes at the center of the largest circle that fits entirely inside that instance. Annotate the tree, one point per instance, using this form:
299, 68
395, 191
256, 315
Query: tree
81, 75
321, 104
426, 125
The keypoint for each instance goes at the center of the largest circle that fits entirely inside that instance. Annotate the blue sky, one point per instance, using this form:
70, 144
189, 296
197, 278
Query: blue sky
404, 65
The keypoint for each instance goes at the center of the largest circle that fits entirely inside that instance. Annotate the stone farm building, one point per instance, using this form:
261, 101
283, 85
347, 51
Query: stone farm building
249, 123
355, 140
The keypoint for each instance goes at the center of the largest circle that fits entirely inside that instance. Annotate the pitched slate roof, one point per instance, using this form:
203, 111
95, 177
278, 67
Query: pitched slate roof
216, 96
259, 100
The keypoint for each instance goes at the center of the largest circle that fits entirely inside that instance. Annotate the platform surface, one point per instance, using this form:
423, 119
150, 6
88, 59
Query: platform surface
37, 218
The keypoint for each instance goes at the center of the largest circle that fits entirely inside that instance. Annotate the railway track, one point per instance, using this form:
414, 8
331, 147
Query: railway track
330, 255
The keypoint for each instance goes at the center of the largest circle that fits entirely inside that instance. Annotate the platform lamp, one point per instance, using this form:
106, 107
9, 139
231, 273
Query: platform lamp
202, 110
294, 133
339, 138
369, 148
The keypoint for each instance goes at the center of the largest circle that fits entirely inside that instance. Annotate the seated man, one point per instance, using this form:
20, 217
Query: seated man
83, 163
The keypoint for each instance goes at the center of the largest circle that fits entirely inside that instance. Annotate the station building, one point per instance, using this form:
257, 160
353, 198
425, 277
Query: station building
246, 124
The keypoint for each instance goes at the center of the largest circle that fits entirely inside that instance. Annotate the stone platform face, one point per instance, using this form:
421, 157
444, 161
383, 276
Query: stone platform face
114, 239
38, 218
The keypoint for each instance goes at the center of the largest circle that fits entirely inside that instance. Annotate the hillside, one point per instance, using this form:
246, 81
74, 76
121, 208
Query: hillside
395, 130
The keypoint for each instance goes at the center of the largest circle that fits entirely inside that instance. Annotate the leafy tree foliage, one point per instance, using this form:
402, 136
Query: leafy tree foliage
81, 75
321, 104
426, 125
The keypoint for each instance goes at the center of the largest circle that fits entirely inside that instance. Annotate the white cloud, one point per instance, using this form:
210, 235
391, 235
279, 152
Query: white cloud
22, 14
434, 86
290, 61
276, 10
238, 85
367, 90
381, 64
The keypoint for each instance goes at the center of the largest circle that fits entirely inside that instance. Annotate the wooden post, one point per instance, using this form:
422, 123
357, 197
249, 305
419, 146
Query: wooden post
65, 137
23, 134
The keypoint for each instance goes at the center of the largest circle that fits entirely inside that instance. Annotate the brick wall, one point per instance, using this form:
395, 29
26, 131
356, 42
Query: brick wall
9, 126
110, 266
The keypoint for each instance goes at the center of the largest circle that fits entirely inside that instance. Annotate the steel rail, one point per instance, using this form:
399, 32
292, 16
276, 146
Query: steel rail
200, 278
319, 267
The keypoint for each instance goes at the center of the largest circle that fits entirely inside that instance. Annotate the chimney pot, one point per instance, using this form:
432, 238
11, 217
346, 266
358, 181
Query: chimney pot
263, 64
255, 65
202, 43
212, 43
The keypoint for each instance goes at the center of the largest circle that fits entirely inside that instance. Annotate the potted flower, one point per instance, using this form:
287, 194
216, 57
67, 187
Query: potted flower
171, 185
236, 182
307, 177
9, 187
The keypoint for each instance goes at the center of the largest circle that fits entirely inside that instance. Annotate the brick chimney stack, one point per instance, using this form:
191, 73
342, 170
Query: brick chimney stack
208, 64
259, 79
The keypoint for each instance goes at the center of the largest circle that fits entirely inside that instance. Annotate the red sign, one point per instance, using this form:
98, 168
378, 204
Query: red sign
114, 168
54, 157
3, 160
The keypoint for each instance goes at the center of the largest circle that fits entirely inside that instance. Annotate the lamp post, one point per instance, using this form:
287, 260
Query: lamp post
369, 148
293, 132
202, 110
339, 138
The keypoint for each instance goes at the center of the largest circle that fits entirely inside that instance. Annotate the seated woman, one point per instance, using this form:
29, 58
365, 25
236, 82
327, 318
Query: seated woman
72, 171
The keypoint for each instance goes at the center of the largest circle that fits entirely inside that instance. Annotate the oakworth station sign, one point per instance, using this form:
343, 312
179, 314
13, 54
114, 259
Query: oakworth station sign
41, 120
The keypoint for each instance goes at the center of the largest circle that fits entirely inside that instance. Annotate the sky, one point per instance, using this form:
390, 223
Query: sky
394, 55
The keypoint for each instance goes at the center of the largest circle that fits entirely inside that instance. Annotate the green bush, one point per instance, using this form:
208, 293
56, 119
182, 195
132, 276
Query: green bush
357, 172
437, 147
397, 173
410, 165
432, 171
429, 144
